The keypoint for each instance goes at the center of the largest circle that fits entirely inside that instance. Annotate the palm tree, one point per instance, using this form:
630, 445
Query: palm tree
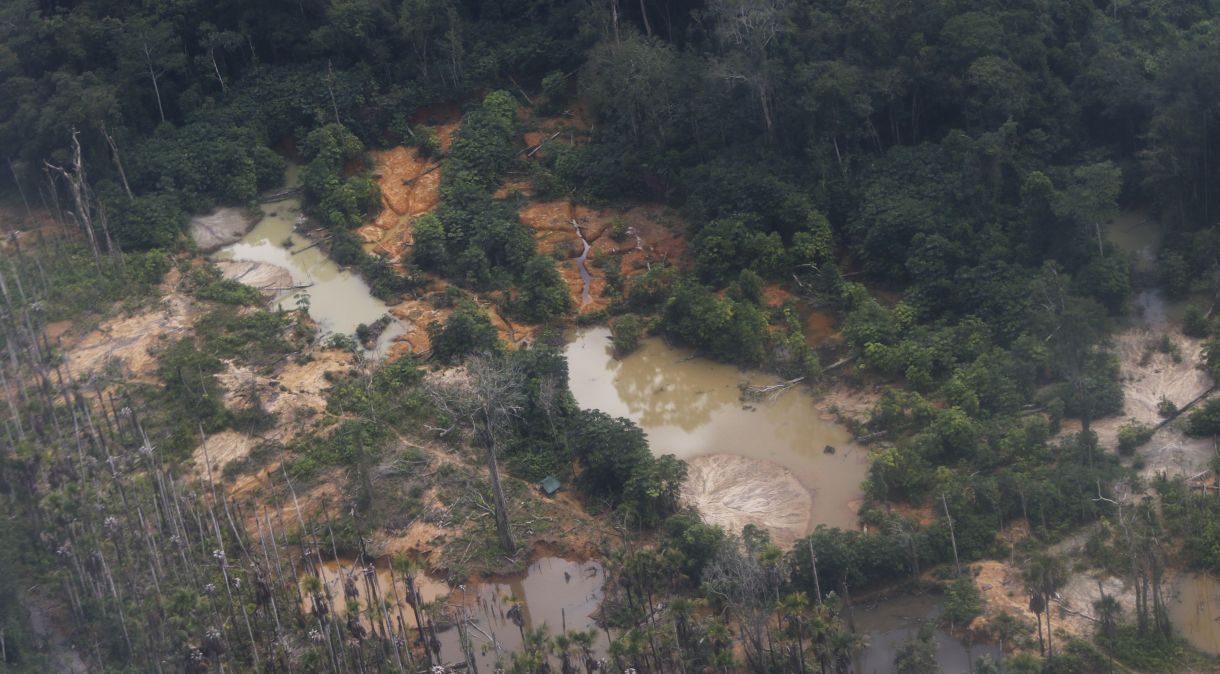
1045, 575
791, 610
1108, 610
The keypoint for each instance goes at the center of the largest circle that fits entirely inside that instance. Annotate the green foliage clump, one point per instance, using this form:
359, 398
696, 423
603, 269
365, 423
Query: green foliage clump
466, 331
1131, 435
1205, 420
257, 337
544, 296
1195, 323
340, 200
963, 603
917, 655
625, 333
618, 466
729, 330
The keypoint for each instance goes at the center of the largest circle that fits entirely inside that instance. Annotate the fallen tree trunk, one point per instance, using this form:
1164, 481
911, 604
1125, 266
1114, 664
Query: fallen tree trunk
1182, 410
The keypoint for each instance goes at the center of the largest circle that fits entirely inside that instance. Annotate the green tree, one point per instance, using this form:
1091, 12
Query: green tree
466, 331
917, 655
609, 449
544, 296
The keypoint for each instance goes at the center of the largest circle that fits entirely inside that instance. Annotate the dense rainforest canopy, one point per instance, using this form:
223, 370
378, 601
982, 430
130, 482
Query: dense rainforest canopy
935, 174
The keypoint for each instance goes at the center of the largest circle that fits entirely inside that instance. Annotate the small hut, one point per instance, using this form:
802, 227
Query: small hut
549, 485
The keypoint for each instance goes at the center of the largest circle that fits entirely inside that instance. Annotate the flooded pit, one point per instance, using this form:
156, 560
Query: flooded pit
338, 300
1194, 611
692, 408
887, 625
553, 593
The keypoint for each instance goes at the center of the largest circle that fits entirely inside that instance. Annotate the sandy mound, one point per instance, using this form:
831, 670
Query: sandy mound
734, 491
267, 278
220, 228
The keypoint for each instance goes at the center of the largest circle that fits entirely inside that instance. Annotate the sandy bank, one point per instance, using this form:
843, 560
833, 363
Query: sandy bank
219, 228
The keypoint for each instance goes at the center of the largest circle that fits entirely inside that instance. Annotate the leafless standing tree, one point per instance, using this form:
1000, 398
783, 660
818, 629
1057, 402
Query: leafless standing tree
487, 399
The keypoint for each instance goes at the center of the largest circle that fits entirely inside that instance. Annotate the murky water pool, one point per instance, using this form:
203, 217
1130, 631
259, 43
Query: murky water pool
692, 407
888, 624
555, 594
338, 300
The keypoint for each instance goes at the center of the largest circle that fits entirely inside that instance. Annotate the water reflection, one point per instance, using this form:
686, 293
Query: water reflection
692, 407
555, 594
338, 300
888, 624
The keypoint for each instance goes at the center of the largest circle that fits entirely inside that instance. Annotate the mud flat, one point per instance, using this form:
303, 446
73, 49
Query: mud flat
692, 408
1194, 611
219, 228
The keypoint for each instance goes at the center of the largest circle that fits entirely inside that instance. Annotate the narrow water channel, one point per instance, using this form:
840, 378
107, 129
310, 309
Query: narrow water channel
338, 300
692, 408
582, 260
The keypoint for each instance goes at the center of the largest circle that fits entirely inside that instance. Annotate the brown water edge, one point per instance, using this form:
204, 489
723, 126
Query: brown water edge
1194, 611
886, 624
691, 407
554, 593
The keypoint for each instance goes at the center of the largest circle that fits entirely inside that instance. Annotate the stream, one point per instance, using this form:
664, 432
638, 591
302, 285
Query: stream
586, 278
337, 299
692, 408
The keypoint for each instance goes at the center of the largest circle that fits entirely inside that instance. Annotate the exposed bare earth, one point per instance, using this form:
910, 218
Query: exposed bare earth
734, 491
128, 339
1147, 375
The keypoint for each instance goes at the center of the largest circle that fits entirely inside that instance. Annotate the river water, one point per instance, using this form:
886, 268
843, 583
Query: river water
338, 300
692, 407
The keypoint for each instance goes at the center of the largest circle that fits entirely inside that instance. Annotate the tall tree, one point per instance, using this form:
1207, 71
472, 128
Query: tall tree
487, 399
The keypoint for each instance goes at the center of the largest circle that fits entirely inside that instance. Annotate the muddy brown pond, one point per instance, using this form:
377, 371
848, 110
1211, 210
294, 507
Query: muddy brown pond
763, 462
338, 300
887, 625
553, 593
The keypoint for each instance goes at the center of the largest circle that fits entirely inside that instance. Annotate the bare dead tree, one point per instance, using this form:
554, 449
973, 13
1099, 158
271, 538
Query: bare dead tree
79, 188
487, 399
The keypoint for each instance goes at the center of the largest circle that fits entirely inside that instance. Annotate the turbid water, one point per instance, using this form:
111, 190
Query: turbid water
554, 593
692, 407
338, 300
1194, 611
885, 626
